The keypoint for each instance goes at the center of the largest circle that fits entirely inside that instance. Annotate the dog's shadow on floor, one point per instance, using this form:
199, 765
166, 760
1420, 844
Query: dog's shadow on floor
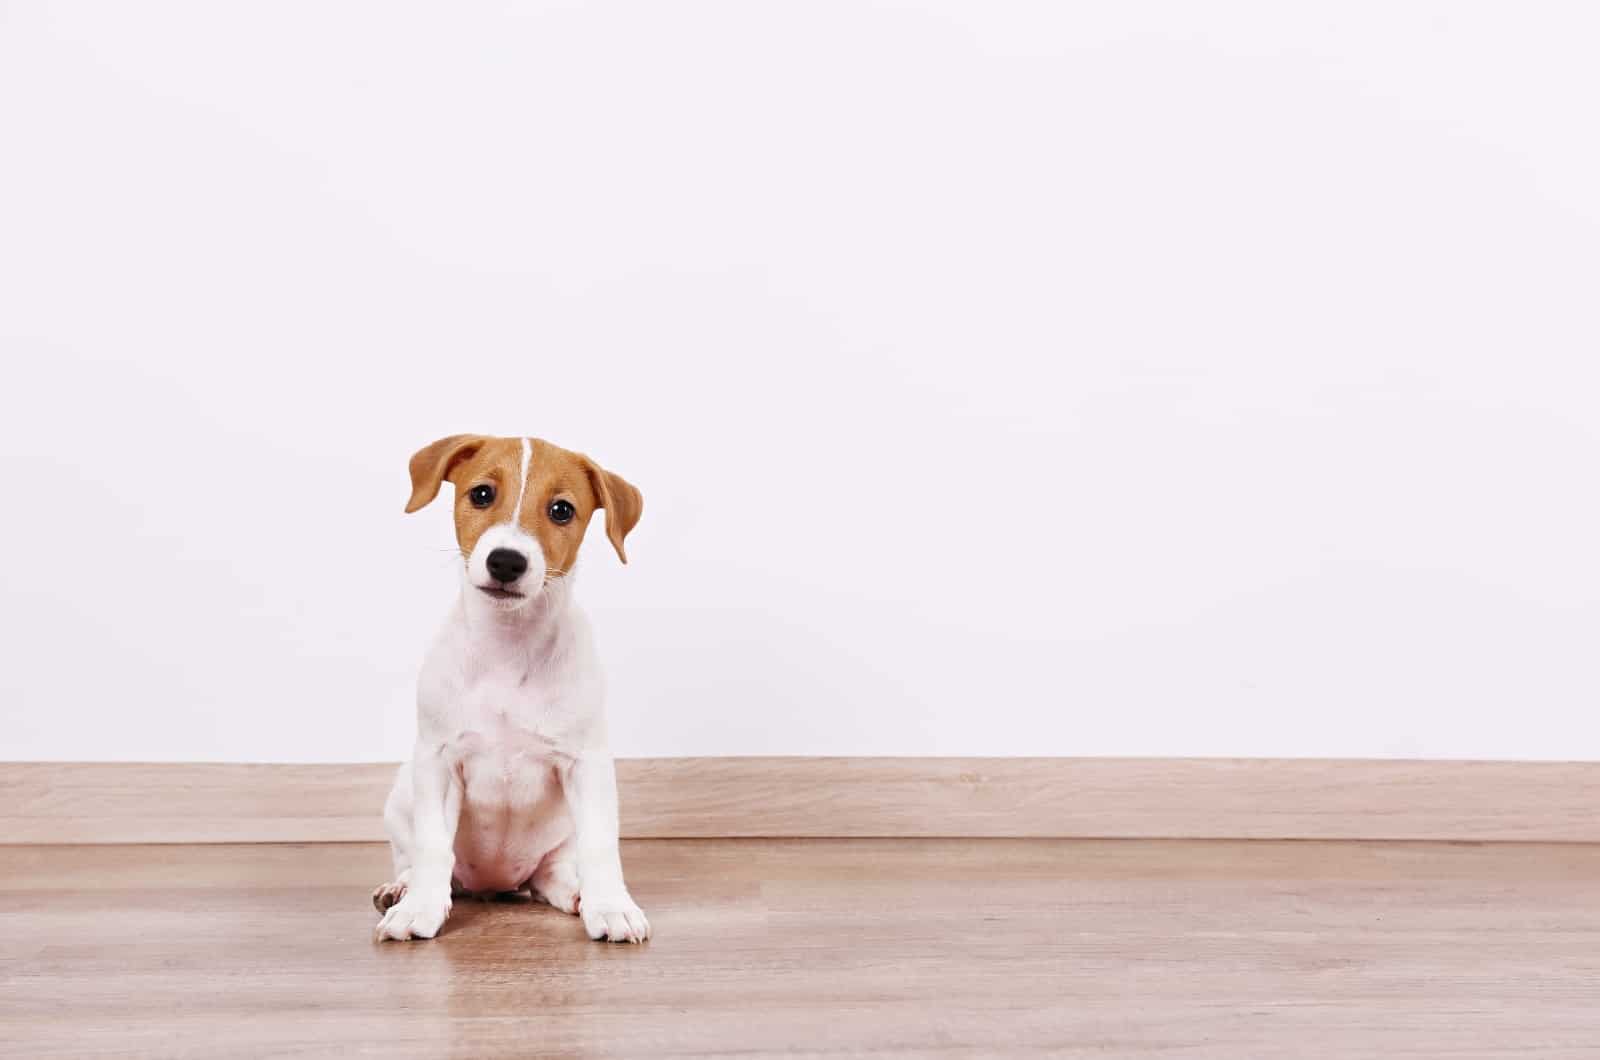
498, 925
519, 916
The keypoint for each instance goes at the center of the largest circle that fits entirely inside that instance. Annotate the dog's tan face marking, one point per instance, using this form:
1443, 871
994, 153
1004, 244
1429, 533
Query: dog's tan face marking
553, 501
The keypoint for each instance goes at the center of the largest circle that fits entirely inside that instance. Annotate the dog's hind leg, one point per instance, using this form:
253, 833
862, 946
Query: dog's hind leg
555, 881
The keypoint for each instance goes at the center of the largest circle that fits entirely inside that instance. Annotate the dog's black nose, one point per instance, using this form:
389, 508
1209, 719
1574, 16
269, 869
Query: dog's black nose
506, 564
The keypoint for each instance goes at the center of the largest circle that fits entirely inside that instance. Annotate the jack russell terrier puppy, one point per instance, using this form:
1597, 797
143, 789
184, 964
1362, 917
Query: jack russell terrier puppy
511, 785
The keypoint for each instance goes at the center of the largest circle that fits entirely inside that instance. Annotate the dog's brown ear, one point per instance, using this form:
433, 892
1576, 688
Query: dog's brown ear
622, 503
432, 464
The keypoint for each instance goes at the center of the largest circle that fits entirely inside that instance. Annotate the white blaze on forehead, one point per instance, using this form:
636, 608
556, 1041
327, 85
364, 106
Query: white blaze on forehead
509, 534
522, 485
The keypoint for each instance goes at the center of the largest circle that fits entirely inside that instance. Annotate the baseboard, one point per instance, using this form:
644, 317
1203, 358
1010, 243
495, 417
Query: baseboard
80, 802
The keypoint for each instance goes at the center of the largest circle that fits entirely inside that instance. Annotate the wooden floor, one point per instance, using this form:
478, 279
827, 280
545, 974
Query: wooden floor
912, 947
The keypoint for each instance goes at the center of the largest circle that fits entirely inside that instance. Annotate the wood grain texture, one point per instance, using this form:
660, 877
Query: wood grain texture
851, 797
978, 948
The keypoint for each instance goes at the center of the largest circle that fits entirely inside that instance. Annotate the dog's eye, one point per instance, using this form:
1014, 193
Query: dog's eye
481, 496
562, 512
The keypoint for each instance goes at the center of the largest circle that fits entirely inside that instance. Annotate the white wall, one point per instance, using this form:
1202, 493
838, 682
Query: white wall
1027, 378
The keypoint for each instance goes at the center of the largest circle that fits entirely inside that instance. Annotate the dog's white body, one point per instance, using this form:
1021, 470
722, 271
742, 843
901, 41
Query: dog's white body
511, 784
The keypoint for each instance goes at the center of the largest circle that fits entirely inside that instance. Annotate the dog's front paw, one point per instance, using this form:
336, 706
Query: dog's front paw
415, 916
613, 916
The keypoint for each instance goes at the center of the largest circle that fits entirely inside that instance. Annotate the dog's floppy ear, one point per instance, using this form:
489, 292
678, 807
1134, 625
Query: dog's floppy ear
432, 463
622, 503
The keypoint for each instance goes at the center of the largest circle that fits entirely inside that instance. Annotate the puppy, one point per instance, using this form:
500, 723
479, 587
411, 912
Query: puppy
511, 785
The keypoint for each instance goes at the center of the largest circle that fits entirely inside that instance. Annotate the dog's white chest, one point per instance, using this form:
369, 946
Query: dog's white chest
507, 735
502, 769
513, 700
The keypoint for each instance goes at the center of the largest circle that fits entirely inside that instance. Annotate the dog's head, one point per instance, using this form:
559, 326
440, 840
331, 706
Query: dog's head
522, 506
